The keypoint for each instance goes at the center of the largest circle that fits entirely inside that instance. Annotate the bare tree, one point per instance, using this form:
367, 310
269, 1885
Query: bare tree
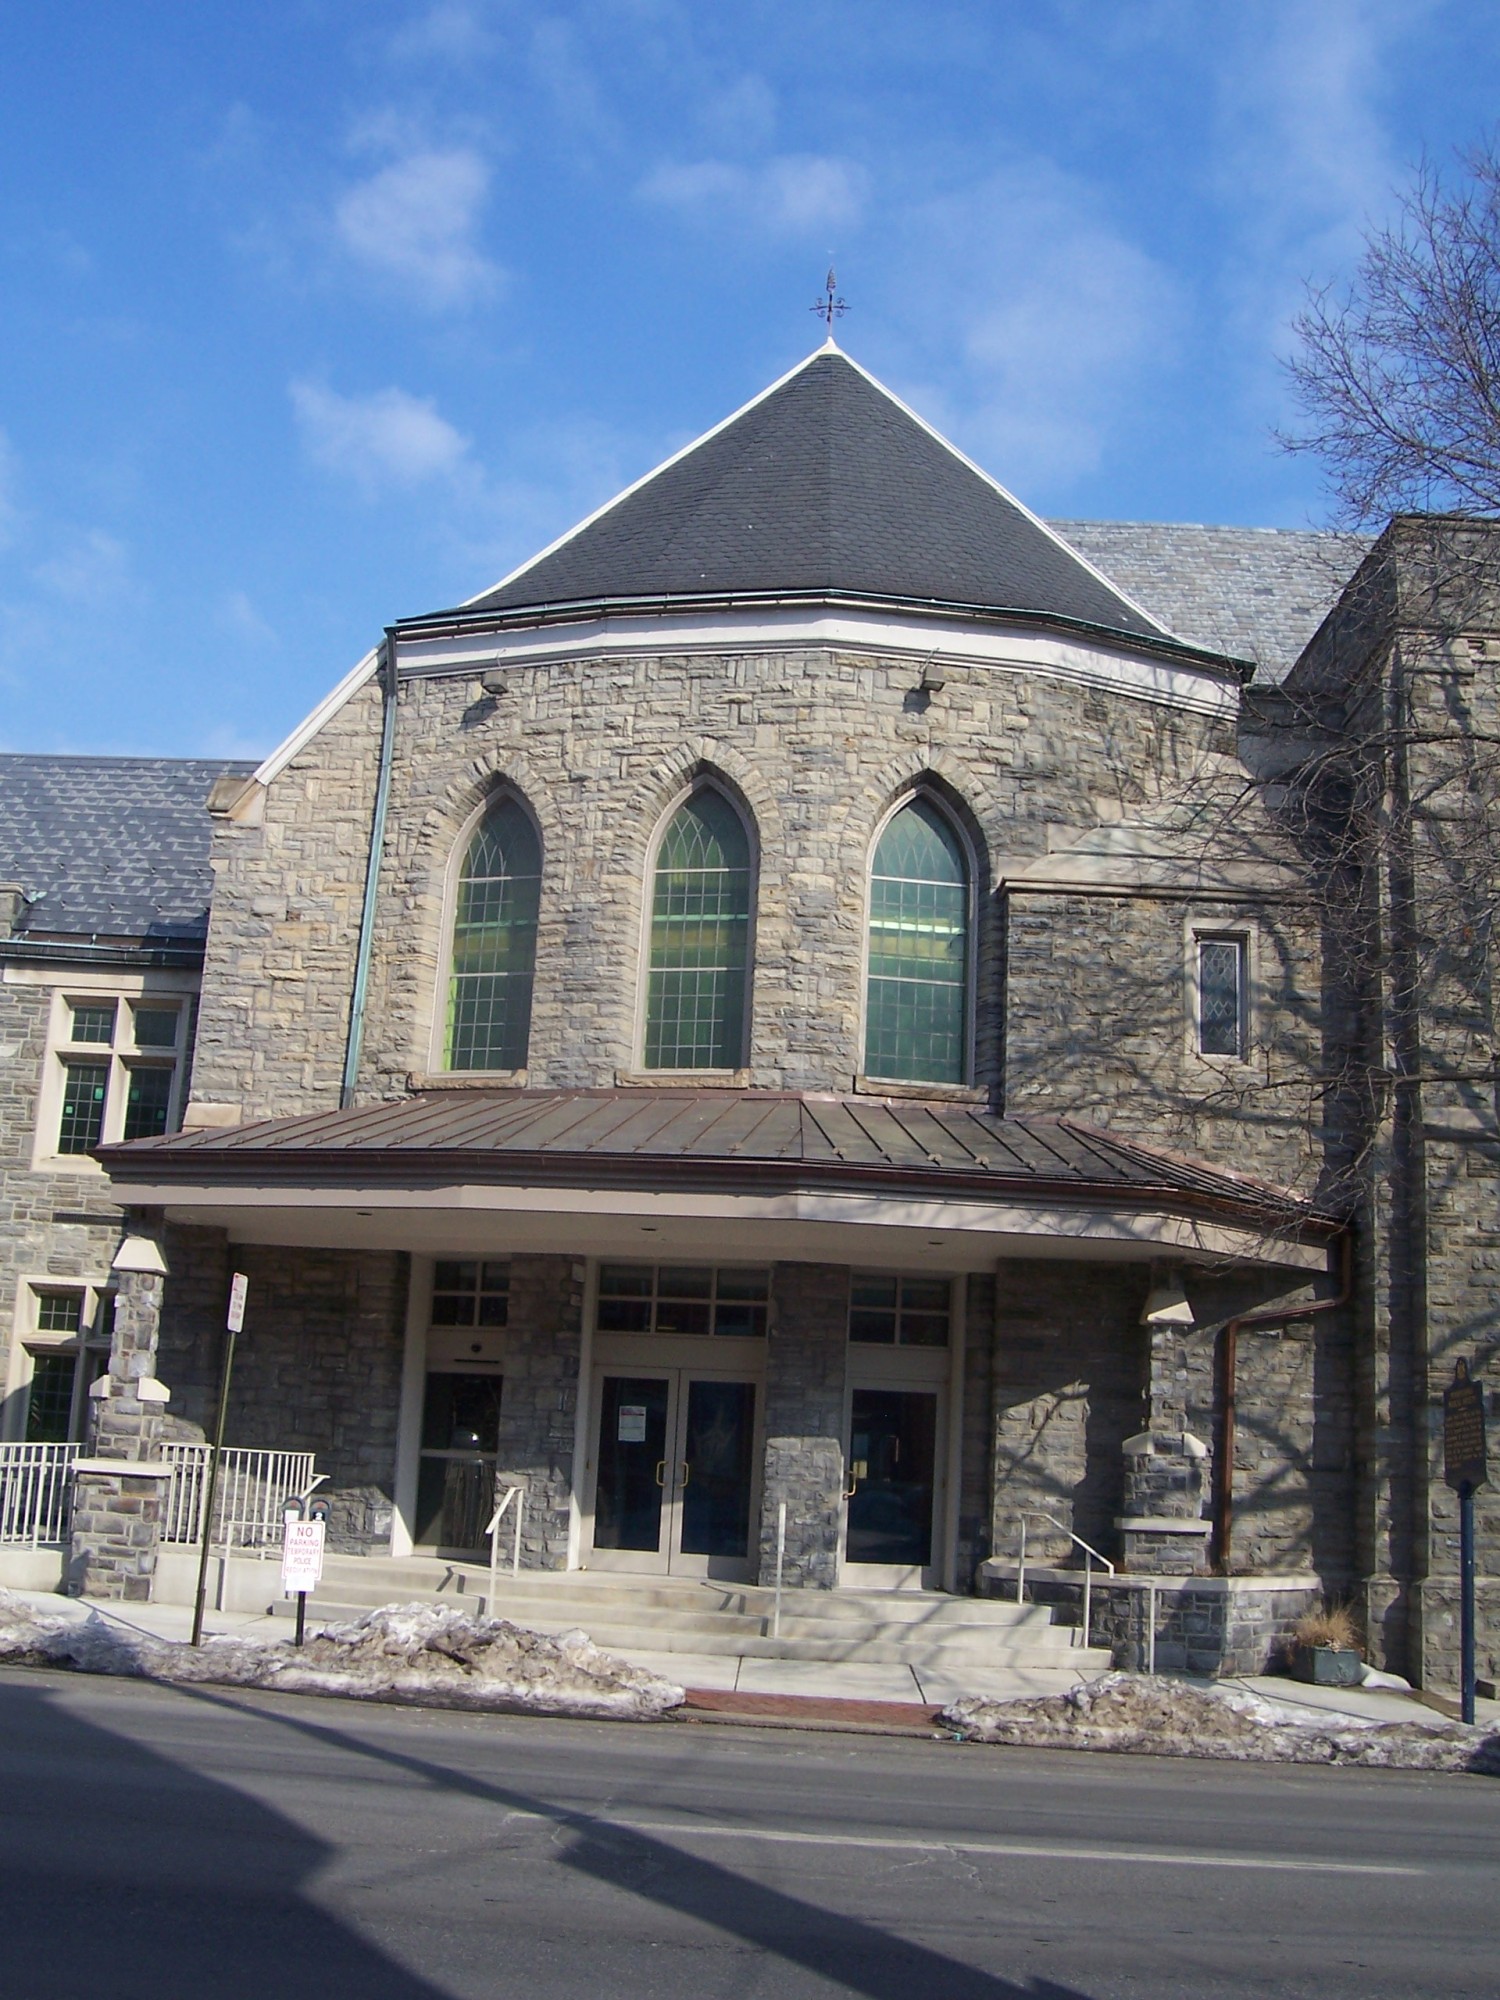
1398, 370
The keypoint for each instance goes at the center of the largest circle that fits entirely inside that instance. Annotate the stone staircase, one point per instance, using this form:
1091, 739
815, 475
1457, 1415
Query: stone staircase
631, 1614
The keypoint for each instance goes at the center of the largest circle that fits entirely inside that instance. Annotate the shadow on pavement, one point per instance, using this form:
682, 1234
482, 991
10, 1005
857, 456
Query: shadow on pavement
216, 1902
857, 1957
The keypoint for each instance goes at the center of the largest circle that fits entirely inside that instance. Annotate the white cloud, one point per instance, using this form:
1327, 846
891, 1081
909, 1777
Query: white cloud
237, 614
92, 567
388, 438
788, 194
452, 31
416, 222
1031, 322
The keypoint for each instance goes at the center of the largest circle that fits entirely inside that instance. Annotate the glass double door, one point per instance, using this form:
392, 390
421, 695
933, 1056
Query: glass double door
674, 1473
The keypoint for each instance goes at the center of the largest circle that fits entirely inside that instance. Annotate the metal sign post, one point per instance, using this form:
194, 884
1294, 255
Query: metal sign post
305, 1527
234, 1322
1465, 1466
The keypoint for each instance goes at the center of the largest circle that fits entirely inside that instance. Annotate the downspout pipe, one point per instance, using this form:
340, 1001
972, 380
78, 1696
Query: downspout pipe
372, 873
1223, 1494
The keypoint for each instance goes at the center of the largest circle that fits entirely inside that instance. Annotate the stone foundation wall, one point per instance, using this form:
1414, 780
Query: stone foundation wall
539, 1402
806, 1372
1204, 1625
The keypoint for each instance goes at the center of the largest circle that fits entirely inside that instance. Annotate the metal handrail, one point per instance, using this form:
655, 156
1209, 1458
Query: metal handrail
1090, 1552
518, 1494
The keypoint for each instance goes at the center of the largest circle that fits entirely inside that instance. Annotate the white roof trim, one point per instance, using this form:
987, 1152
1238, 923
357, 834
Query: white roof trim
325, 711
647, 477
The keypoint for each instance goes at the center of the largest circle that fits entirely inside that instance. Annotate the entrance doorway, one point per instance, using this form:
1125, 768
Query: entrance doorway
892, 1490
456, 1466
674, 1473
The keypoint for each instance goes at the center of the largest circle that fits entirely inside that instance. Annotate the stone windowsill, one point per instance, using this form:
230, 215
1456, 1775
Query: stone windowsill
126, 1468
682, 1079
934, 1093
468, 1079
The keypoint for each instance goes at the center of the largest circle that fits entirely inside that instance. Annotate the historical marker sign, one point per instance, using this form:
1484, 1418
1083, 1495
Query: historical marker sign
1464, 1457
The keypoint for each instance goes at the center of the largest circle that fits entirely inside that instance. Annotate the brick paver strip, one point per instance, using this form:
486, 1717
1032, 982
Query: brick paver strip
812, 1708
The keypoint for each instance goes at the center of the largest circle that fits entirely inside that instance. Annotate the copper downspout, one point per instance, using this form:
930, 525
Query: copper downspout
1223, 1500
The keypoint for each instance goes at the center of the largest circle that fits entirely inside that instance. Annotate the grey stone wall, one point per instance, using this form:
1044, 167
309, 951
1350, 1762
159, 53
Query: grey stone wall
807, 1345
60, 1225
539, 1402
317, 1368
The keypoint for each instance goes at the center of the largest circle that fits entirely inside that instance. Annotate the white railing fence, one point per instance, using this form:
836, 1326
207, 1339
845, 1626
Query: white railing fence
253, 1487
35, 1484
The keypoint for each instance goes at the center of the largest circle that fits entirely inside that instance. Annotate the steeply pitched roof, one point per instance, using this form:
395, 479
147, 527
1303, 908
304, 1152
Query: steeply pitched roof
109, 847
1256, 593
706, 1138
825, 483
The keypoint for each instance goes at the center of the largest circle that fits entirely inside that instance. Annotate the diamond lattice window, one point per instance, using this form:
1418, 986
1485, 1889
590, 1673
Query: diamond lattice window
916, 1011
700, 929
494, 944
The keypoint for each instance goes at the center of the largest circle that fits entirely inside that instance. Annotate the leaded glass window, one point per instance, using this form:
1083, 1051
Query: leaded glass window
916, 1006
700, 929
1221, 996
494, 944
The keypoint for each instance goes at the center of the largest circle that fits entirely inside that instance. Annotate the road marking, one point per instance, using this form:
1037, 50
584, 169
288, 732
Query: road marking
1154, 1857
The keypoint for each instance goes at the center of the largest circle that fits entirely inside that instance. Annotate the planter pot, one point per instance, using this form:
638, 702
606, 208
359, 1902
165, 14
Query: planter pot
1326, 1666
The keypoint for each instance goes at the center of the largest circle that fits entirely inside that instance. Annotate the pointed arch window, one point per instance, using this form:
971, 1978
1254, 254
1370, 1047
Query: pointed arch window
917, 997
494, 943
700, 930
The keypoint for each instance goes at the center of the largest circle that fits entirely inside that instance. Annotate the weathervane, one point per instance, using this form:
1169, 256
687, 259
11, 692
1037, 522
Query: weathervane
832, 307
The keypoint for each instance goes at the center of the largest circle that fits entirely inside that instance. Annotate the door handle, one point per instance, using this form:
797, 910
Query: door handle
687, 1472
661, 1472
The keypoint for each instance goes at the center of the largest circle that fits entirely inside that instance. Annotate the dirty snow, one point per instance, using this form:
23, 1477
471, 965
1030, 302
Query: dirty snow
1170, 1718
426, 1655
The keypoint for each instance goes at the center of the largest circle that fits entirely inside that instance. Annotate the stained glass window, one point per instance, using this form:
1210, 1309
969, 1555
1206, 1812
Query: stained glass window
916, 1005
494, 944
700, 928
1221, 996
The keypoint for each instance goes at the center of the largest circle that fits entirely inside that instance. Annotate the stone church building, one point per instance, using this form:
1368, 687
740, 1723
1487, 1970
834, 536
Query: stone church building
807, 1026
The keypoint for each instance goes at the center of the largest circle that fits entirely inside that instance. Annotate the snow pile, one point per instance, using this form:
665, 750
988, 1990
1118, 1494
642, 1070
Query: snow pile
1168, 1718
427, 1655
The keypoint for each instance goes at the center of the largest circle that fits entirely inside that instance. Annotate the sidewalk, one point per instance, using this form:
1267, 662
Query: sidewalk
778, 1687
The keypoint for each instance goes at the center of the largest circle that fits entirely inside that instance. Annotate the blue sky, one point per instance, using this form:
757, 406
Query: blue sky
319, 315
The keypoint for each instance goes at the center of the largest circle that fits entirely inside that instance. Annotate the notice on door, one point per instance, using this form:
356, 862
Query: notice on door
632, 1423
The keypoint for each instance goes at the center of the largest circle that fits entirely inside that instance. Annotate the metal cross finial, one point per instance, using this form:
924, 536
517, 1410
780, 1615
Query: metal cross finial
832, 307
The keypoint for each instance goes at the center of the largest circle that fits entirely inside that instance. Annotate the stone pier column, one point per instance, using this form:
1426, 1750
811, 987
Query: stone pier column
1162, 1529
806, 1367
119, 1490
543, 1344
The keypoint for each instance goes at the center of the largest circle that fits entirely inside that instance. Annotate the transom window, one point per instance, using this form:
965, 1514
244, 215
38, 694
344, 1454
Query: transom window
494, 943
892, 1311
1221, 996
120, 1065
700, 928
727, 1299
469, 1291
916, 1006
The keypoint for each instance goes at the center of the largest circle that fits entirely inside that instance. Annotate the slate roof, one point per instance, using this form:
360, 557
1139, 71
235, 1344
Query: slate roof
109, 847
754, 1140
824, 484
1256, 593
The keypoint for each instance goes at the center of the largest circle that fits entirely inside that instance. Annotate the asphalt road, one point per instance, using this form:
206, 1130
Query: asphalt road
195, 1845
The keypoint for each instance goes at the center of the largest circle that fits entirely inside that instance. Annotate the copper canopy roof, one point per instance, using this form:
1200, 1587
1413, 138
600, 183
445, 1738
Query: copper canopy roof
745, 1141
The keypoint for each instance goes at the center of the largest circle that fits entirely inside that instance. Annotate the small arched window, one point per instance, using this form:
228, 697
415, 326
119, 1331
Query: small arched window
916, 1001
494, 943
700, 930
